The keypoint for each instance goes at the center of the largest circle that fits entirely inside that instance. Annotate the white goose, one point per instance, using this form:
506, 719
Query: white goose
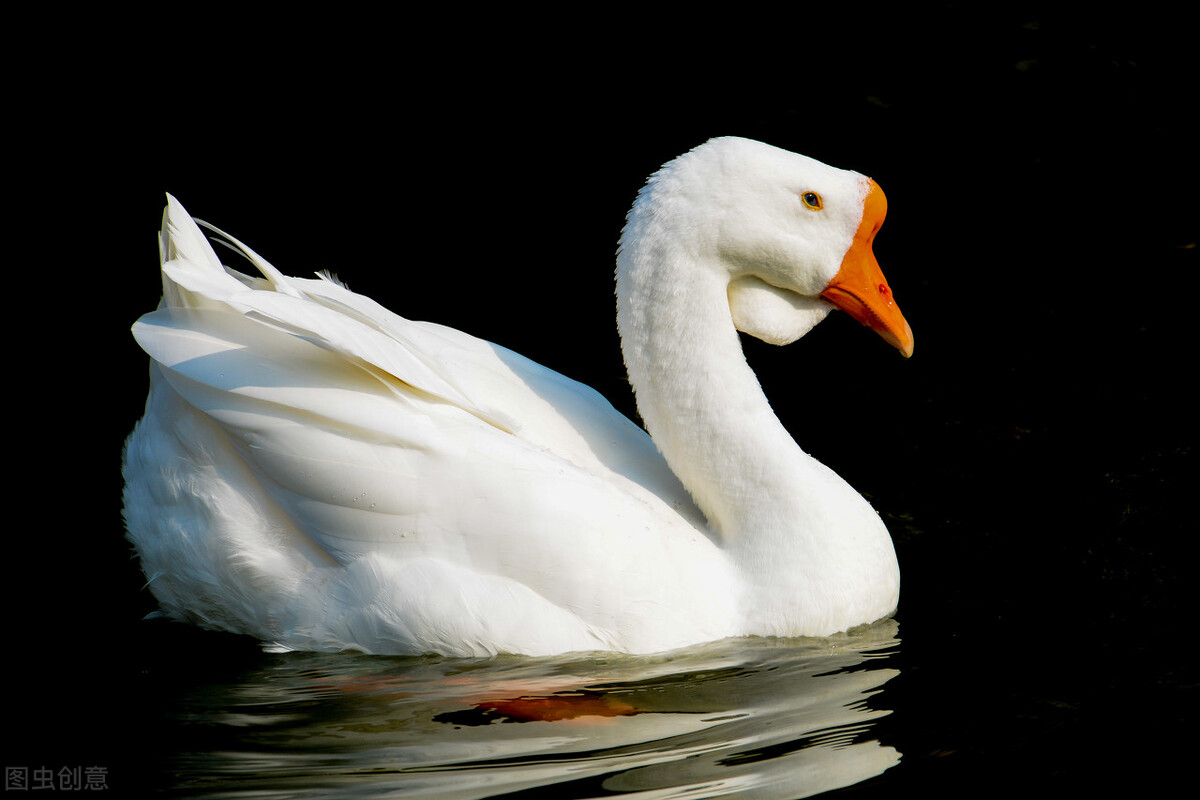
319, 473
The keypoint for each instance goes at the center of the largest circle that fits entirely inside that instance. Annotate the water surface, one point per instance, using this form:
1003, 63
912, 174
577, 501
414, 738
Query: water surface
743, 717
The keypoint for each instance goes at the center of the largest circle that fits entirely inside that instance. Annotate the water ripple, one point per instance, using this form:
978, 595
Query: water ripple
773, 719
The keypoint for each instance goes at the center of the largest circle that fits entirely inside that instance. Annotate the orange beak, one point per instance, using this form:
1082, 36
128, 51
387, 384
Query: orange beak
859, 287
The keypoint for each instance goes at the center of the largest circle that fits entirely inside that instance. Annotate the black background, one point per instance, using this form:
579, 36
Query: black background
1032, 459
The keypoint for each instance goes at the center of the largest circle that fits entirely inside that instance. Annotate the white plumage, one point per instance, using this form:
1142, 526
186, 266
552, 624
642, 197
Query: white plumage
319, 473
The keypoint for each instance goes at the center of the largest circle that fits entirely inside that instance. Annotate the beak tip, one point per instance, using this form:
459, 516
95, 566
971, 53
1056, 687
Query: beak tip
907, 343
901, 340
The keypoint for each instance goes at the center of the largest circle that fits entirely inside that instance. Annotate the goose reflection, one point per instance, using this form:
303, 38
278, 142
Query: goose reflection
752, 717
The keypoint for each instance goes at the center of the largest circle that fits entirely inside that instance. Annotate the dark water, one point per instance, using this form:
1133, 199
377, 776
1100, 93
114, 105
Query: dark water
740, 718
1034, 460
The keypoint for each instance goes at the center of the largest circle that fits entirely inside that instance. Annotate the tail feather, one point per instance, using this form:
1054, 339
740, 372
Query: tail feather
192, 271
182, 240
279, 282
321, 311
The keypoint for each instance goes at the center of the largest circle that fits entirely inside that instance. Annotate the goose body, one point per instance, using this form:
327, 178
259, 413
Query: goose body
322, 474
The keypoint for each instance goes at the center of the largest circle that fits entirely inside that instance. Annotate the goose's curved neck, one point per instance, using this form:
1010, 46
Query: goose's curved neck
815, 549
699, 399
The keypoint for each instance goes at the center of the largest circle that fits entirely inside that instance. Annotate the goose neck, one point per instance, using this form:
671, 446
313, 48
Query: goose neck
699, 399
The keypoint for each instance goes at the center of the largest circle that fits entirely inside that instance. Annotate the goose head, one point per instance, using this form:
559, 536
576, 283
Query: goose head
790, 236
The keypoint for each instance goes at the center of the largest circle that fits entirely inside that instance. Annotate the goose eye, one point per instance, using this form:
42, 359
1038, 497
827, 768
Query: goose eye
812, 200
